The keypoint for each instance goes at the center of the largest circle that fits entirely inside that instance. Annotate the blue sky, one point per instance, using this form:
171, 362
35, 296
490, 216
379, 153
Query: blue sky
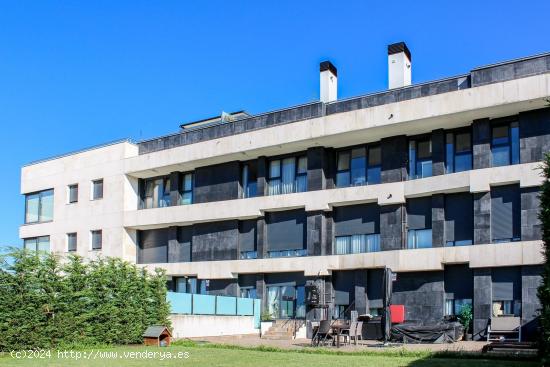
75, 74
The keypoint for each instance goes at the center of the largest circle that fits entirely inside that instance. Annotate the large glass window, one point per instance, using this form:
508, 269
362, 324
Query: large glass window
419, 238
356, 244
454, 306
249, 179
187, 189
458, 152
358, 166
287, 175
420, 158
505, 144
41, 244
156, 193
39, 207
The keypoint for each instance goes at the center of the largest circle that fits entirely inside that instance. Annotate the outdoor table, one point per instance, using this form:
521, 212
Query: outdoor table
337, 331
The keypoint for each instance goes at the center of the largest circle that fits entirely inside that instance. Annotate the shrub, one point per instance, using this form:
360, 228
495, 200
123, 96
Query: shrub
544, 288
46, 302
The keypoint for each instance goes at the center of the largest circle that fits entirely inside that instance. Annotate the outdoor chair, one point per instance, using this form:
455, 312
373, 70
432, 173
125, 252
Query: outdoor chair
508, 327
347, 333
322, 334
358, 333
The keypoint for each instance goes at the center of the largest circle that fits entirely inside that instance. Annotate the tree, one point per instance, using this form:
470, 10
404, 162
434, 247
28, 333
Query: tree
544, 288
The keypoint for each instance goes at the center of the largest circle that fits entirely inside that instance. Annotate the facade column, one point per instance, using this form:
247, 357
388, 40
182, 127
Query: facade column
481, 138
483, 302
482, 218
438, 220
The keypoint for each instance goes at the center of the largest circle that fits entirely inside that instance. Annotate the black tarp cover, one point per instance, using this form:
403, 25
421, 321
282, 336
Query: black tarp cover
443, 332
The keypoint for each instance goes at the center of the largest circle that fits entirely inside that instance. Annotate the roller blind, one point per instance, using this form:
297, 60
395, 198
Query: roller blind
419, 213
357, 219
505, 212
247, 235
285, 230
459, 209
506, 284
153, 246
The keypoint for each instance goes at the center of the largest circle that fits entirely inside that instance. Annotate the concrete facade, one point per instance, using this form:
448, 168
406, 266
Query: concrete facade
205, 239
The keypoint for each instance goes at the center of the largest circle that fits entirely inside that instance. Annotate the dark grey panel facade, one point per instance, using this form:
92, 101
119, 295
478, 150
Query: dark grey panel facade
534, 130
286, 230
356, 219
482, 302
530, 208
215, 241
394, 151
317, 168
216, 183
531, 278
438, 220
317, 233
423, 295
481, 139
482, 218
438, 152
391, 227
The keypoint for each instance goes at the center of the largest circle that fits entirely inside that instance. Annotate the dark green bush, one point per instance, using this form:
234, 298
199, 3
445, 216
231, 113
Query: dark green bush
544, 289
47, 303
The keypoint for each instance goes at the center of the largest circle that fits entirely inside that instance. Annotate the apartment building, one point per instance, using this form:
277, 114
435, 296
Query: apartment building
438, 181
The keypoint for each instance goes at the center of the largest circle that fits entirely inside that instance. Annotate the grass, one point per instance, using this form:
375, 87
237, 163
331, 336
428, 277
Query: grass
227, 355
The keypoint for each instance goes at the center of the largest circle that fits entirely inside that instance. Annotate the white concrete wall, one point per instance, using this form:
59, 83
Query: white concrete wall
428, 259
106, 214
191, 326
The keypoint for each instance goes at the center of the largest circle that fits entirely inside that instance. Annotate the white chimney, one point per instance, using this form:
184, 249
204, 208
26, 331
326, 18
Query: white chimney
329, 82
399, 65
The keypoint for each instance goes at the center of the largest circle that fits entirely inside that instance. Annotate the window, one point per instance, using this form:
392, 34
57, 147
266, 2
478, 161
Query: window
454, 306
39, 207
459, 223
156, 193
356, 244
97, 189
187, 189
420, 158
287, 175
506, 308
71, 242
287, 253
249, 180
248, 292
72, 193
458, 152
245, 255
37, 244
505, 144
419, 223
505, 213
375, 311
358, 166
97, 239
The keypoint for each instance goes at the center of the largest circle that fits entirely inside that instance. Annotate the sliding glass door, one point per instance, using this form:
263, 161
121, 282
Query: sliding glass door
285, 302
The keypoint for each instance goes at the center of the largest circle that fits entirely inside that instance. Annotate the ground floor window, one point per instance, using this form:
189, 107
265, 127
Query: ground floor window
339, 311
376, 311
506, 308
454, 306
286, 301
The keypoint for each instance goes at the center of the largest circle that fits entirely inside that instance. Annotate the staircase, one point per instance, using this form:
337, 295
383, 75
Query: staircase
283, 329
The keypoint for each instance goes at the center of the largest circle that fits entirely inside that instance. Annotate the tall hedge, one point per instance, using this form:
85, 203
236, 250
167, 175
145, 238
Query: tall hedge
544, 289
47, 303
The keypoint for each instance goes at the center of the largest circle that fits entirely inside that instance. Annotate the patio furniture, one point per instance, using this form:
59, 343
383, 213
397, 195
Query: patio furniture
322, 333
349, 332
358, 334
504, 327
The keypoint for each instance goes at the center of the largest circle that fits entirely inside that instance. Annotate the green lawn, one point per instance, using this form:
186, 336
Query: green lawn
203, 356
